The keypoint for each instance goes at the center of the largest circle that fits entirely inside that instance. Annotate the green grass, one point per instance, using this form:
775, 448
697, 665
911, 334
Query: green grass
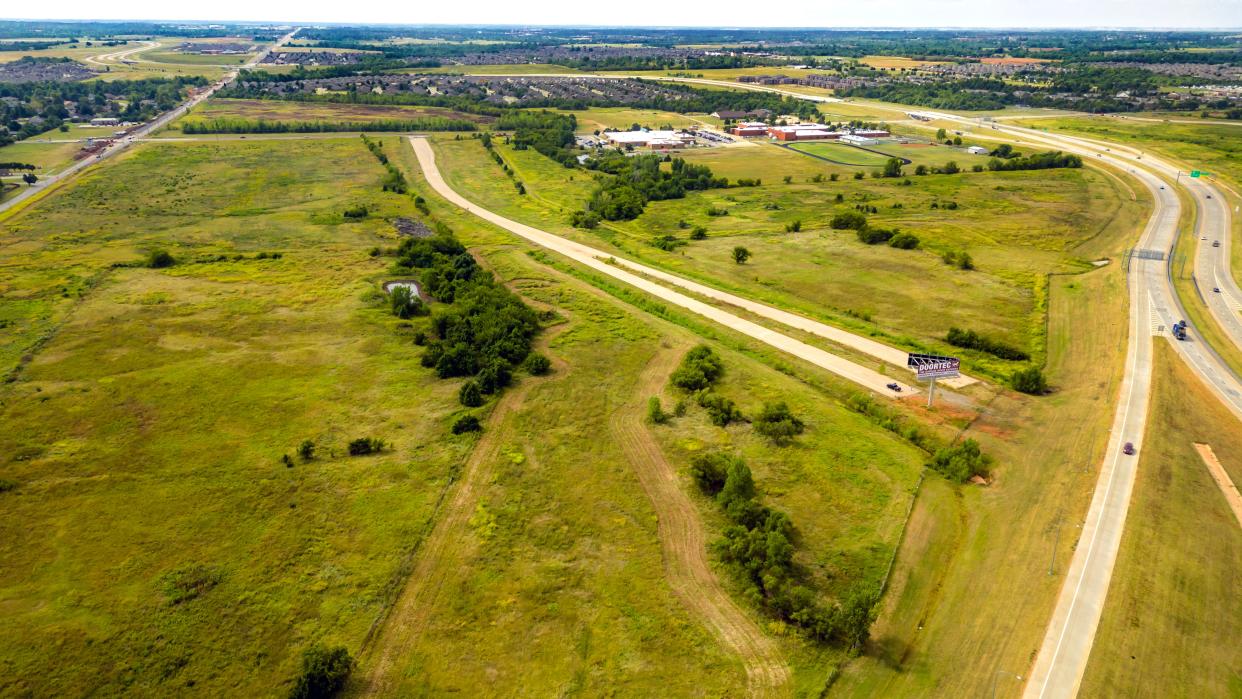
193, 59
1168, 627
1018, 227
146, 428
847, 155
276, 110
600, 118
47, 157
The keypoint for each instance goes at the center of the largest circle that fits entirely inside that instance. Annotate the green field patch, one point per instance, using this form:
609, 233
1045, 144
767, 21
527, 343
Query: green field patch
844, 154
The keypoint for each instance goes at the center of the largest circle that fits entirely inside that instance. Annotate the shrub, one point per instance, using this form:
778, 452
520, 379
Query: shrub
720, 410
469, 394
405, 304
466, 423
7, 484
655, 412
776, 423
960, 462
495, 375
958, 258
969, 339
793, 227
324, 671
717, 211
848, 220
306, 450
699, 233
859, 175
1030, 380
366, 445
709, 471
356, 212
699, 369
584, 219
740, 255
667, 243
904, 241
537, 364
159, 259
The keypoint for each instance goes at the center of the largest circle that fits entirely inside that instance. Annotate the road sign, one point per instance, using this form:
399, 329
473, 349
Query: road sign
934, 366
1194, 173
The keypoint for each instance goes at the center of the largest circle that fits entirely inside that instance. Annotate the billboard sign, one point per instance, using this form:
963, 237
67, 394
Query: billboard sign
934, 366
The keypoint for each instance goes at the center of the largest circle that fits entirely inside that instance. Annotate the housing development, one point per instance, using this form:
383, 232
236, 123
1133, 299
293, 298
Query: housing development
418, 359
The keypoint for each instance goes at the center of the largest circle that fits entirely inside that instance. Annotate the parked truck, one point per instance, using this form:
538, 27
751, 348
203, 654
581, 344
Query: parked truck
1179, 330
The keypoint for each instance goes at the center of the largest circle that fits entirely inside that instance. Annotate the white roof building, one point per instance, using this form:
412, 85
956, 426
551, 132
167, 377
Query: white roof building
855, 140
977, 150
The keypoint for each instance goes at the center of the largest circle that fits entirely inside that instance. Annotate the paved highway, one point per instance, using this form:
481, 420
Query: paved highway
141, 132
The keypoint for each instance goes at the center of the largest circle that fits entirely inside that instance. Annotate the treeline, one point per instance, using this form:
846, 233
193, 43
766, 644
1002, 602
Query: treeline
486, 332
548, 133
1039, 161
127, 100
757, 546
969, 339
640, 179
233, 125
394, 180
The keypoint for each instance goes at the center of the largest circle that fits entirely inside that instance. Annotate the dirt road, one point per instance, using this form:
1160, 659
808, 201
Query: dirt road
684, 545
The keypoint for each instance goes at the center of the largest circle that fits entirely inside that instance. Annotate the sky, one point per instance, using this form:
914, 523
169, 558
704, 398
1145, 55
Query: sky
1020, 14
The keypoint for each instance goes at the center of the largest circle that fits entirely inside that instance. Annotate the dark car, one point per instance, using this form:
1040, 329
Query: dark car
1128, 449
1216, 289
894, 386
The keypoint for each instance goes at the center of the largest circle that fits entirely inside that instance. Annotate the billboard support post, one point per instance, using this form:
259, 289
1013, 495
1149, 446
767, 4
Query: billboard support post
931, 392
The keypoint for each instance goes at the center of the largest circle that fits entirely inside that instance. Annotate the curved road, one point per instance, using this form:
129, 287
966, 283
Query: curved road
641, 276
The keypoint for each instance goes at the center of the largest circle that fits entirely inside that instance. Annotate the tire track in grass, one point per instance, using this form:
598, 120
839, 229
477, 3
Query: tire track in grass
442, 553
684, 545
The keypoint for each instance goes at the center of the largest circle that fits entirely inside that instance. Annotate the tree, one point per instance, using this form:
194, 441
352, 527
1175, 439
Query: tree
306, 450
904, 241
699, 369
1030, 380
699, 233
740, 255
324, 671
655, 412
366, 445
940, 134
404, 303
776, 423
848, 220
960, 462
158, 259
951, 168
536, 364
920, 170
30, 178
469, 394
892, 167
788, 179
466, 423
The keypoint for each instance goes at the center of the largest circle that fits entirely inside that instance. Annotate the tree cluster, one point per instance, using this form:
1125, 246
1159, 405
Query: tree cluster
969, 339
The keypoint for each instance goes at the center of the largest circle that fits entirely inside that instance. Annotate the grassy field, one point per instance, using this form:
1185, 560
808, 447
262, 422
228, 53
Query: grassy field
1168, 628
151, 408
276, 110
1017, 226
601, 118
195, 59
47, 157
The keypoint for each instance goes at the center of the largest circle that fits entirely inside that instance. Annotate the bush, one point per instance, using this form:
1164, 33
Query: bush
848, 220
709, 471
356, 212
720, 410
717, 211
584, 219
1030, 380
904, 241
537, 364
366, 445
776, 423
655, 412
793, 227
699, 233
405, 304
740, 255
306, 450
469, 395
969, 339
960, 462
699, 369
7, 484
324, 671
958, 258
159, 259
466, 423
875, 236
495, 375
